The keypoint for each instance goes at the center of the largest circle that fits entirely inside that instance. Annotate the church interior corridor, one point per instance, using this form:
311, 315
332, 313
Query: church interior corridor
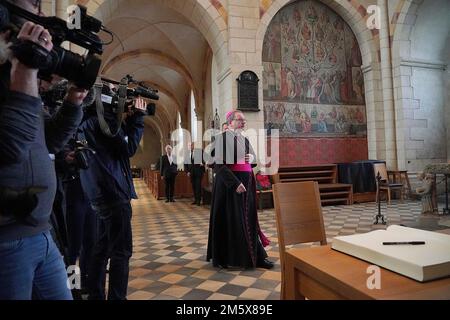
191, 150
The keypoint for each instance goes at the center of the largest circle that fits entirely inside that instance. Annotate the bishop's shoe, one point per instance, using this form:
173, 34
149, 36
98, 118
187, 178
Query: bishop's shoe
266, 264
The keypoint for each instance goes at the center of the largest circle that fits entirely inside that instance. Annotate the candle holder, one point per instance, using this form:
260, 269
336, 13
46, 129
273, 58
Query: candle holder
379, 216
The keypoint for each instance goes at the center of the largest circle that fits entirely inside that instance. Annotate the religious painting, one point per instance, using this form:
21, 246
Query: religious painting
272, 79
294, 119
272, 43
358, 84
314, 61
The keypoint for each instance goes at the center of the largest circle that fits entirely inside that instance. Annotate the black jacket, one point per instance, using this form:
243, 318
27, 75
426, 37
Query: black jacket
108, 181
27, 136
168, 170
194, 162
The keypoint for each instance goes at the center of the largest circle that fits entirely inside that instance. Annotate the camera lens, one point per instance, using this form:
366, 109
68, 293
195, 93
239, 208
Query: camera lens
80, 70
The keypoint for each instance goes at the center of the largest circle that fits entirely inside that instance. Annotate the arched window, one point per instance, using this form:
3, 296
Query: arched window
194, 129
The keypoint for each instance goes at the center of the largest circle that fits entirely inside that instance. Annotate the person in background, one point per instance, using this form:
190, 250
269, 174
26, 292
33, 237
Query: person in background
195, 169
169, 173
224, 127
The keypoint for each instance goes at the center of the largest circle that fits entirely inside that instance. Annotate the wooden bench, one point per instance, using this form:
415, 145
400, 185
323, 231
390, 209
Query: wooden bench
260, 195
331, 193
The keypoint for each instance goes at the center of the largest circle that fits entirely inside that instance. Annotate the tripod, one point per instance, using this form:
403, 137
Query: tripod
379, 215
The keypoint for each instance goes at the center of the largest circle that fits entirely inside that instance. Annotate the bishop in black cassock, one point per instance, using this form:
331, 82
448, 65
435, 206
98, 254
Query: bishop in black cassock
234, 233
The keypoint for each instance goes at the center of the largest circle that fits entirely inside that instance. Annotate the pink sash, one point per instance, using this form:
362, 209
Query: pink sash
244, 167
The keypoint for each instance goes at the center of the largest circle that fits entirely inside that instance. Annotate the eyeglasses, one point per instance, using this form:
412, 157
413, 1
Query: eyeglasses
37, 4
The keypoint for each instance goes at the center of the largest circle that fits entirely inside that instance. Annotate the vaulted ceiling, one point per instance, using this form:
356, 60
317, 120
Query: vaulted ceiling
156, 44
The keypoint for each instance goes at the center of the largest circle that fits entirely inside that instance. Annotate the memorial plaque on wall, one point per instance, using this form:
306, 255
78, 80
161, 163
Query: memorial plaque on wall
248, 91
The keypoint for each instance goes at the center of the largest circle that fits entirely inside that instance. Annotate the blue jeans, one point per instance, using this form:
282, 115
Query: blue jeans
32, 267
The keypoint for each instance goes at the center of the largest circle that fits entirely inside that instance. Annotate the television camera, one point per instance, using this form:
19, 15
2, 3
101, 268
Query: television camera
81, 70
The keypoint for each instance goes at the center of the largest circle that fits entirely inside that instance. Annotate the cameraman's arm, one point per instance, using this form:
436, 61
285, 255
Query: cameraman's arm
21, 111
19, 125
134, 129
60, 128
24, 78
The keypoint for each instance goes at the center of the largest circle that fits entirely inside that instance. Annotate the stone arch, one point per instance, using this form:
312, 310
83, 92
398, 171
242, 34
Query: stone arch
149, 149
355, 15
207, 16
156, 126
164, 60
413, 119
351, 13
164, 117
208, 19
168, 94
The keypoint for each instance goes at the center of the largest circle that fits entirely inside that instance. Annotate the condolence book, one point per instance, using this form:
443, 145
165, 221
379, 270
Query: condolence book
422, 262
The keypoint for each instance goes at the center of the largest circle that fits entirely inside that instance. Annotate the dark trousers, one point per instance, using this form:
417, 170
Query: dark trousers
81, 227
170, 186
114, 242
196, 180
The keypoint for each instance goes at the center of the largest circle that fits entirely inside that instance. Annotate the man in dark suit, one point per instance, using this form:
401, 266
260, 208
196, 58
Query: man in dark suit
169, 172
195, 168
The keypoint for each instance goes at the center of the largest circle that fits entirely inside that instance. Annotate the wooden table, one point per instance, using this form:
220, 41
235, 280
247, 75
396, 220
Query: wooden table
323, 273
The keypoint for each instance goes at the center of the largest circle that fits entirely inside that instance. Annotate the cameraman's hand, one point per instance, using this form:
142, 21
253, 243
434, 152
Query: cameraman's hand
70, 157
76, 95
23, 78
140, 105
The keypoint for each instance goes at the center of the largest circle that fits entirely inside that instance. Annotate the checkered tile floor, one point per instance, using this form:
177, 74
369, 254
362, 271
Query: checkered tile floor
170, 248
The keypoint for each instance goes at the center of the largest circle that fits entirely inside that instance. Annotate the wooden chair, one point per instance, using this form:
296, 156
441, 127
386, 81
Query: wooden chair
385, 184
299, 218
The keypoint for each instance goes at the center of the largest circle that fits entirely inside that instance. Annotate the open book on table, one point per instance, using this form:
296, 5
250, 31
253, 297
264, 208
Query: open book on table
420, 262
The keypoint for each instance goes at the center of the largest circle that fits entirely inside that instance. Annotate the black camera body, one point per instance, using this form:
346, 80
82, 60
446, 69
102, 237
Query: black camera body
81, 70
110, 98
81, 158
111, 104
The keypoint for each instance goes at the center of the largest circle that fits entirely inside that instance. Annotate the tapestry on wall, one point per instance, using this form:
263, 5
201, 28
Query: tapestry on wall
312, 79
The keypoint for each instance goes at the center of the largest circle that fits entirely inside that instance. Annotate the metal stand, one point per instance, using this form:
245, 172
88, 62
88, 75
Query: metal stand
446, 210
379, 215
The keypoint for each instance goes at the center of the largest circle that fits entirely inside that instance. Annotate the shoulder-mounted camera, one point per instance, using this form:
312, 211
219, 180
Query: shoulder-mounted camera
81, 158
111, 101
81, 70
131, 90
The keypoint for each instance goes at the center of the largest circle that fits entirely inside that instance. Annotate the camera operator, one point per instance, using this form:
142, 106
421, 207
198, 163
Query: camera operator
74, 221
30, 263
109, 186
80, 217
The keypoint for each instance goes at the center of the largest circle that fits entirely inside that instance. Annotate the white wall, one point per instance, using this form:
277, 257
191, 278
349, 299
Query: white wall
429, 35
422, 97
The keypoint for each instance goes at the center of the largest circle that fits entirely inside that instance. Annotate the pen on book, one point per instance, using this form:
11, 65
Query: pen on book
414, 243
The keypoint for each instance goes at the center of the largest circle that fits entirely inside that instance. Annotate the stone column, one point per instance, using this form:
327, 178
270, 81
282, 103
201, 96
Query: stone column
243, 26
387, 89
61, 8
